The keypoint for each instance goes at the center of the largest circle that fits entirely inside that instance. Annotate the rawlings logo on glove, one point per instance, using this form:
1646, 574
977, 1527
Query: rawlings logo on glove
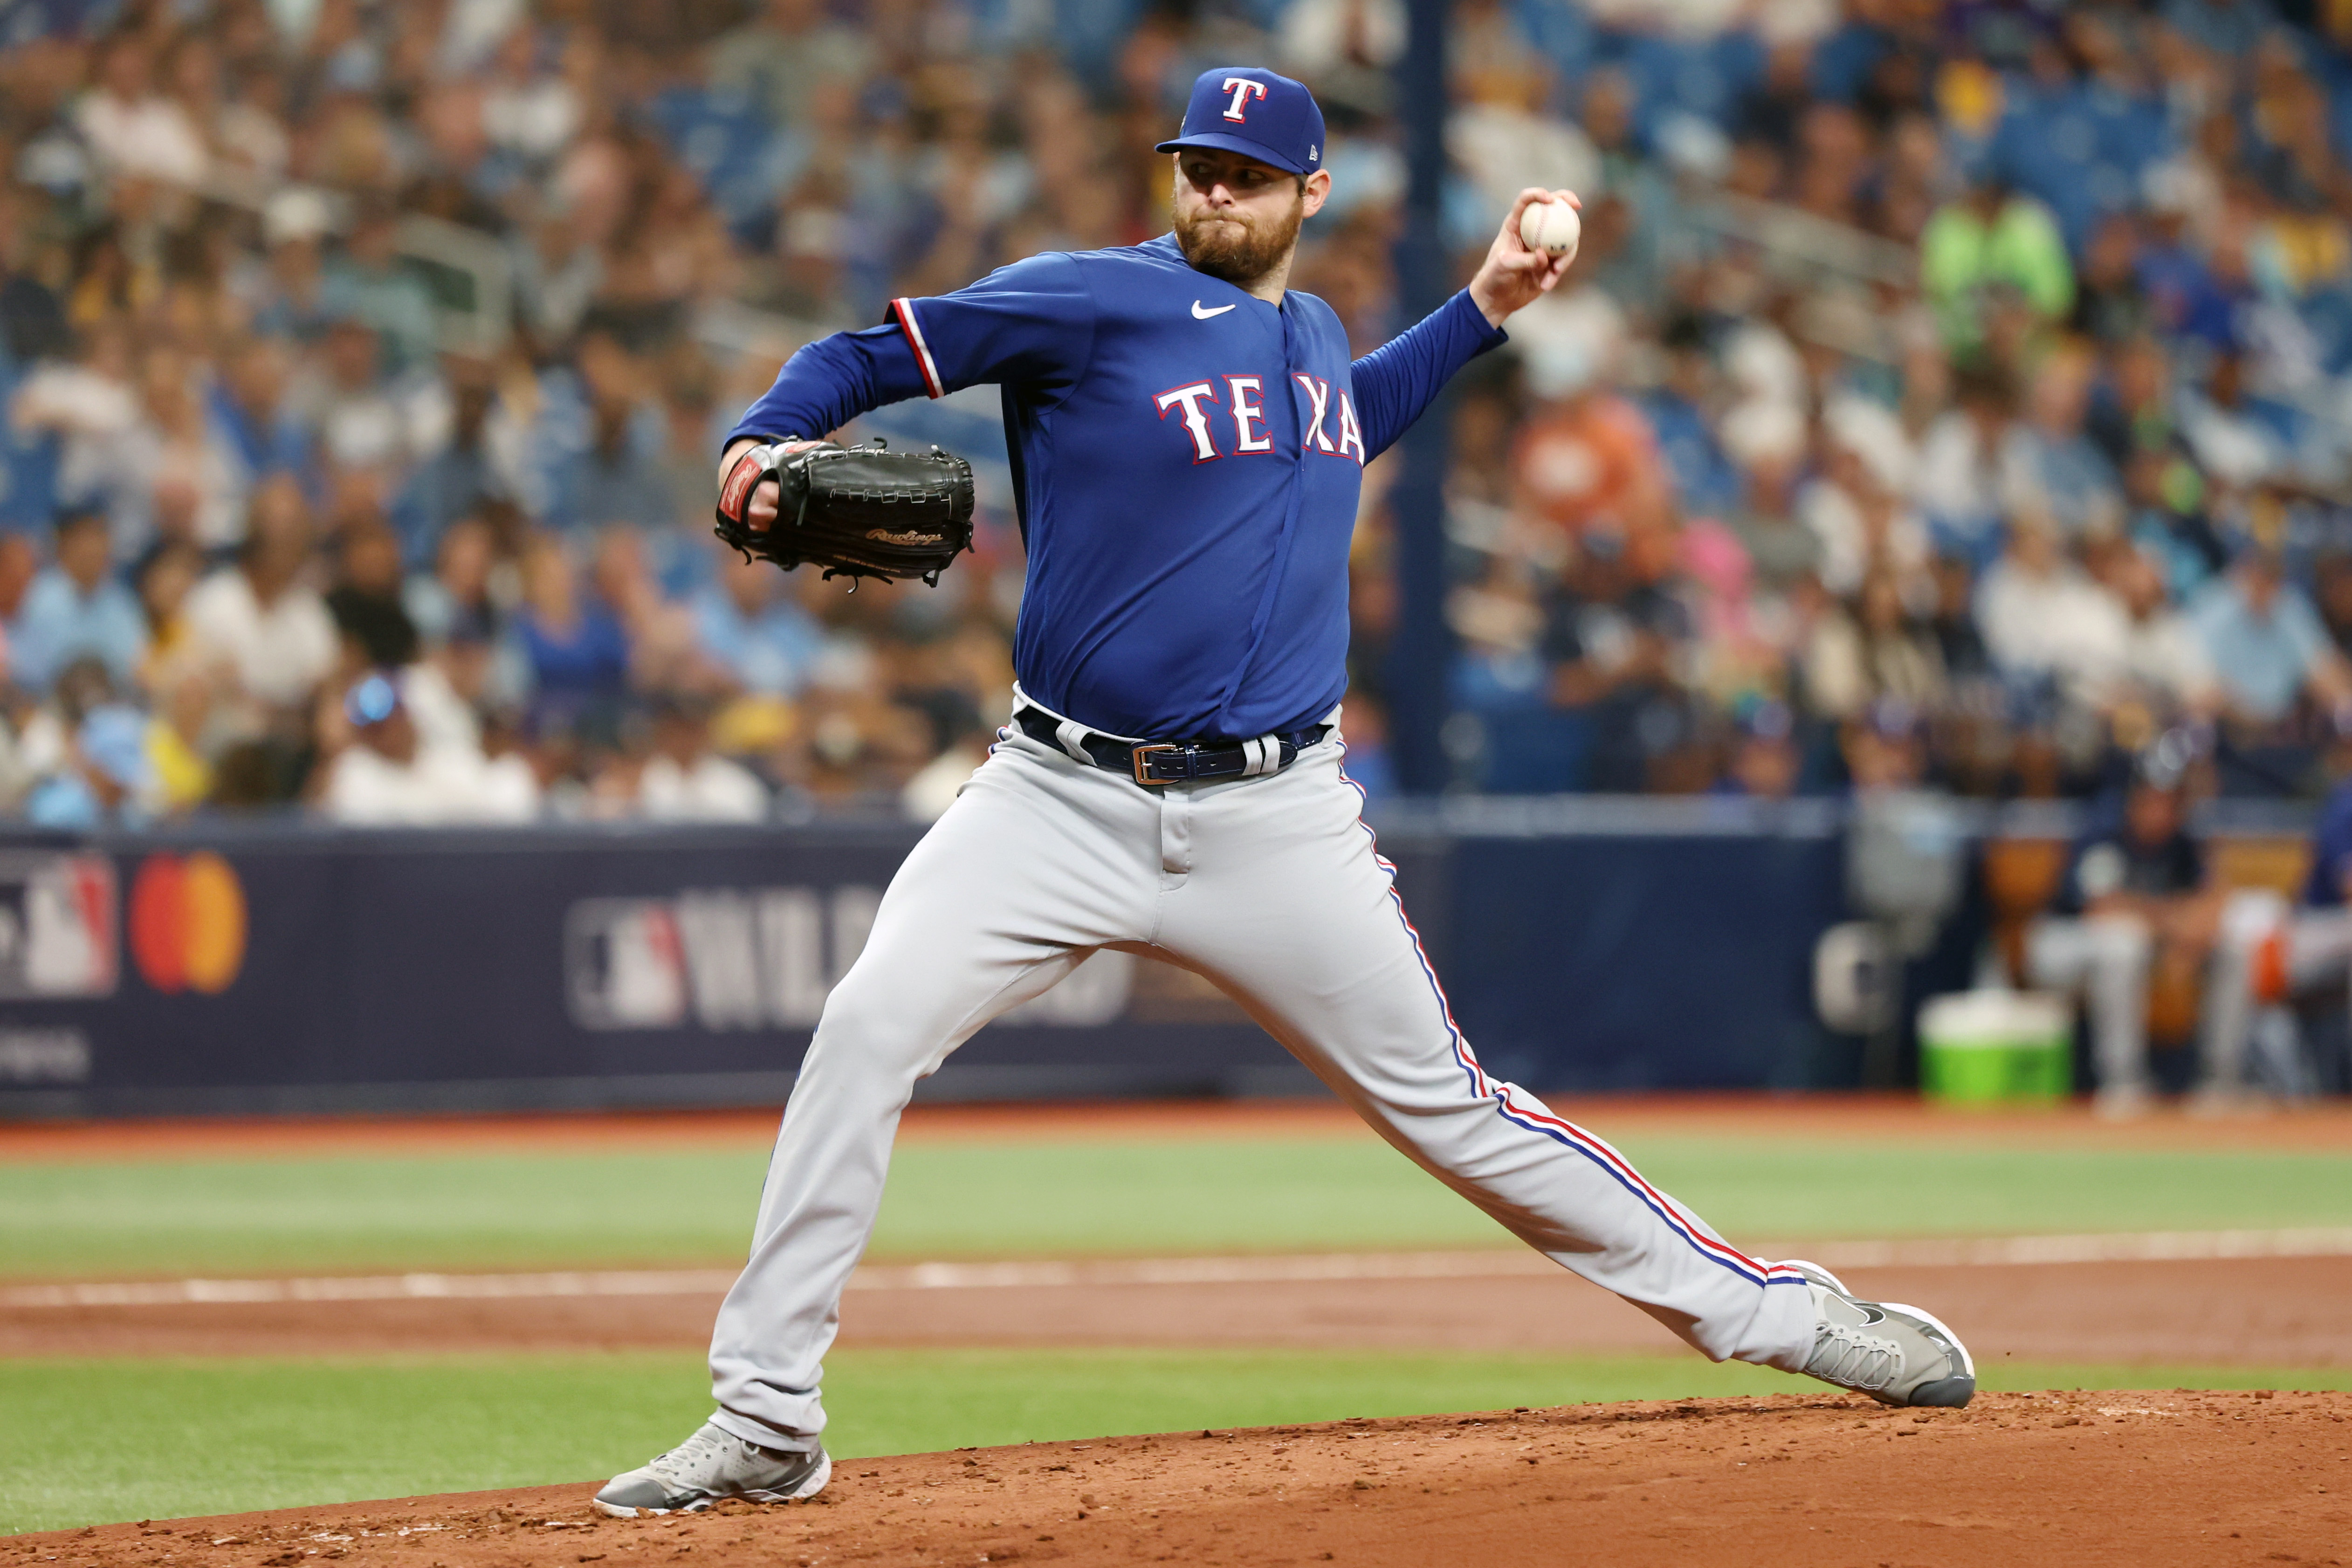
857, 511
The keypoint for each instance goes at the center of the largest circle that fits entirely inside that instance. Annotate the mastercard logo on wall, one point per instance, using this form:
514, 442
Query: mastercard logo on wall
188, 922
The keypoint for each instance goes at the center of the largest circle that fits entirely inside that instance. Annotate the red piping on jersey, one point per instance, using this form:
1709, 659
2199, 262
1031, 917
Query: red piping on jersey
904, 309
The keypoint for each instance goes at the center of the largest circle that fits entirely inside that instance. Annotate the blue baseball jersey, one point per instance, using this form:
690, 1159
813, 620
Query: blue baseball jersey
1186, 463
2331, 851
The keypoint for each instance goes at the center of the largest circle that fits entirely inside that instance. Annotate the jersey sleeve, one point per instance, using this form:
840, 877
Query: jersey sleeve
830, 382
2196, 867
2331, 853
1396, 381
1030, 324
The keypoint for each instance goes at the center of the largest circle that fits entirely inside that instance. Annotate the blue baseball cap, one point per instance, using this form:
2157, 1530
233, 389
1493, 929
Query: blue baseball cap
113, 738
371, 700
1260, 115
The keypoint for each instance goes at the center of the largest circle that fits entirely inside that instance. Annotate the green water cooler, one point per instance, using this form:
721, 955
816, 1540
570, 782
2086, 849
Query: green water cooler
1996, 1048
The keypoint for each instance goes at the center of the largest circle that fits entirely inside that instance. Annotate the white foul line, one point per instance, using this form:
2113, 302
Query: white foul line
371, 1287
1994, 1251
2121, 1246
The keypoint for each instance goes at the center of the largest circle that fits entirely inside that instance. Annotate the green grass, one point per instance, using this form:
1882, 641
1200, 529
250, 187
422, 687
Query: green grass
89, 1441
982, 1199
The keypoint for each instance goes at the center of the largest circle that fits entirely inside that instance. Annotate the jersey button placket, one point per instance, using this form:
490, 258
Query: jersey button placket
1293, 365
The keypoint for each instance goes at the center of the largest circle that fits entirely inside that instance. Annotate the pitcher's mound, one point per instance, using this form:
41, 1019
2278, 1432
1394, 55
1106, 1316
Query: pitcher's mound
2142, 1478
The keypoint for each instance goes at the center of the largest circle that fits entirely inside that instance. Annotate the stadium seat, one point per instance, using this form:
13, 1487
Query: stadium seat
2273, 863
2021, 878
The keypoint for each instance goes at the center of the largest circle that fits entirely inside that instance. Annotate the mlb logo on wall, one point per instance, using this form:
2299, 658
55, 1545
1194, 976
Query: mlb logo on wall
762, 958
57, 926
725, 958
625, 964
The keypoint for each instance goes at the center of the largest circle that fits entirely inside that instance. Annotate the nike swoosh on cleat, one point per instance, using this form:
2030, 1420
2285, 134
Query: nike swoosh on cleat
1201, 315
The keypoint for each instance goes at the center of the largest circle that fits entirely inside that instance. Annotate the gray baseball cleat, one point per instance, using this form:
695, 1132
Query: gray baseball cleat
1896, 1354
711, 1465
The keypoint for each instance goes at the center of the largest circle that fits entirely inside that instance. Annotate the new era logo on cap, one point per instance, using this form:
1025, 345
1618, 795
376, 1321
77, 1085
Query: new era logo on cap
1254, 112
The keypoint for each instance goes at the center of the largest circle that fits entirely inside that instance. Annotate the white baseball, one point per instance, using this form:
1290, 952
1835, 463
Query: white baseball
1551, 226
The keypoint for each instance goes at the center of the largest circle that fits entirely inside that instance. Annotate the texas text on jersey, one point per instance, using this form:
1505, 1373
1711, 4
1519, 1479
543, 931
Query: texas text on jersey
1187, 460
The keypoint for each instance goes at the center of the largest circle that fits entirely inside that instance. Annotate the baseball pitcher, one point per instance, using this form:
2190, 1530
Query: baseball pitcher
1188, 439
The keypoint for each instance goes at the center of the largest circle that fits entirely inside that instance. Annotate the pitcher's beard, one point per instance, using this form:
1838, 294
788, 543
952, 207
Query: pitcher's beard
1235, 250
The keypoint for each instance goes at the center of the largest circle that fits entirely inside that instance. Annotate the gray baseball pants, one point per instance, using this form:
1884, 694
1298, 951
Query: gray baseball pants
2244, 1034
1270, 888
2108, 957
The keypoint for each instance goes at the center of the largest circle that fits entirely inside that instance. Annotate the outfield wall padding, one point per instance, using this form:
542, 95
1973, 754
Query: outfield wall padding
288, 967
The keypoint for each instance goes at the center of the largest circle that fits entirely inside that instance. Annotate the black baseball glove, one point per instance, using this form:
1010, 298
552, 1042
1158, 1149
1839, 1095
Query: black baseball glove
857, 511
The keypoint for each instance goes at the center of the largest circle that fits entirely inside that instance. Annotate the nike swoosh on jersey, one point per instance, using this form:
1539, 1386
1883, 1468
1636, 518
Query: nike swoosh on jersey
1200, 315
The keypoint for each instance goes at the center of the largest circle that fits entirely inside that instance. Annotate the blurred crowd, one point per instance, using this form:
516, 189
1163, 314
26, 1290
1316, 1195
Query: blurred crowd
1947, 395
1944, 393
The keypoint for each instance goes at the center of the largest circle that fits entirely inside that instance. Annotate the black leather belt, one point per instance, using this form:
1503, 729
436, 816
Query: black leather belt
1153, 764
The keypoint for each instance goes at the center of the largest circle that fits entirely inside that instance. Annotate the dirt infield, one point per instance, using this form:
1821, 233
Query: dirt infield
2273, 1311
1811, 1478
2326, 1127
2147, 1479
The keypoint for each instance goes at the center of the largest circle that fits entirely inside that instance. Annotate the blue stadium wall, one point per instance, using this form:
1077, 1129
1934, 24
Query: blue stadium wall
295, 969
